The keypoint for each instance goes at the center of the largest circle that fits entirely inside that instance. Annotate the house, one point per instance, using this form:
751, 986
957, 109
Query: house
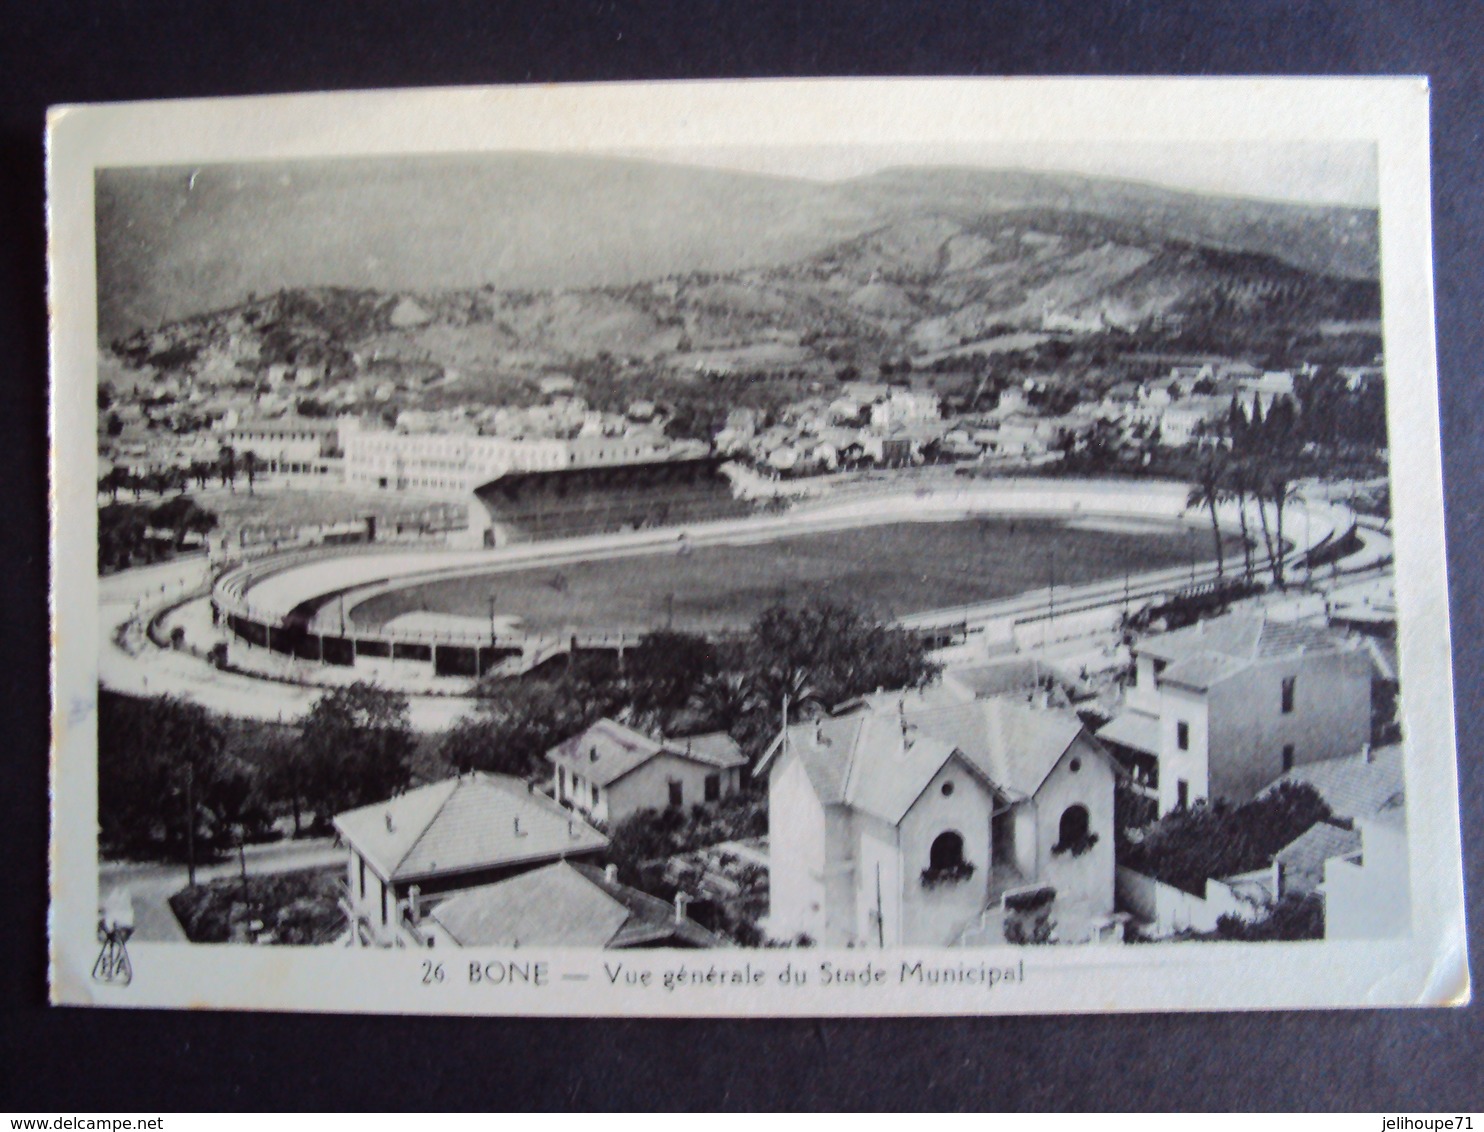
1220, 709
565, 904
610, 771
459, 833
1366, 892
893, 824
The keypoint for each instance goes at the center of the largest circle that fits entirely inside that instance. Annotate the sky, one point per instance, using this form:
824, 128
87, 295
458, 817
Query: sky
1331, 173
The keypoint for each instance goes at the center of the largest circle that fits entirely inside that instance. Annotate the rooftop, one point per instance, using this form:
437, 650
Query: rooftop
1355, 786
565, 905
879, 758
608, 750
1211, 650
472, 821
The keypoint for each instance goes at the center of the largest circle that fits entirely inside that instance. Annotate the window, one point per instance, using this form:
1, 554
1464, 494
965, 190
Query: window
1182, 735
946, 852
1182, 794
362, 862
713, 787
677, 792
1288, 687
1287, 756
947, 789
1073, 834
595, 793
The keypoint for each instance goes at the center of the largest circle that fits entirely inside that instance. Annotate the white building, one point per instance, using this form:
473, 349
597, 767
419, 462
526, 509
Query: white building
1222, 708
610, 772
891, 824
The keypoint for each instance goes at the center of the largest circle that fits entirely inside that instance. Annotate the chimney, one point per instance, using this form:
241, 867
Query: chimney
610, 873
1367, 754
390, 827
518, 831
681, 900
818, 732
414, 905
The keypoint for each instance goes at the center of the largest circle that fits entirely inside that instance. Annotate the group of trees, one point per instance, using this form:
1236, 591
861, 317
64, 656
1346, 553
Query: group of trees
226, 468
176, 781
1264, 453
793, 659
131, 533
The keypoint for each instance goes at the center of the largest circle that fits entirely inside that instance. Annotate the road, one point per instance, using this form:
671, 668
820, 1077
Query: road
149, 886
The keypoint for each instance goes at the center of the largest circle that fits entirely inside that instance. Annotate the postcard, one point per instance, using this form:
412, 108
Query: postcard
875, 548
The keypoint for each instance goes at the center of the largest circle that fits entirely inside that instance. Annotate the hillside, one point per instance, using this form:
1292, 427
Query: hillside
920, 288
177, 242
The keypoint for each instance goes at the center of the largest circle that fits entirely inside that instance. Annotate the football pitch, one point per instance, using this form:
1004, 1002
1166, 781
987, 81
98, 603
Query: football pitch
891, 569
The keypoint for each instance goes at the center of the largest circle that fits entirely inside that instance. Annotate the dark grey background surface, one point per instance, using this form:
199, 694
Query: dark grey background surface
74, 1060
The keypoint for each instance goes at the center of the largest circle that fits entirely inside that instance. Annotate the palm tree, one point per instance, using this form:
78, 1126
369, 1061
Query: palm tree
724, 698
1209, 492
1240, 480
1282, 491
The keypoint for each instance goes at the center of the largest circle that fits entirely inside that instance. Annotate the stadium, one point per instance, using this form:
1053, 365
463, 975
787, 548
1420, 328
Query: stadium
594, 562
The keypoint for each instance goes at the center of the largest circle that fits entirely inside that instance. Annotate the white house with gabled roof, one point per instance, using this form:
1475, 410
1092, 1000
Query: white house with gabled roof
610, 772
907, 820
457, 834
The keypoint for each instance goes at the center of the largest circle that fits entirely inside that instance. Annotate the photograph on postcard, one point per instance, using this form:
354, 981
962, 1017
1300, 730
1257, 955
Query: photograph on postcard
970, 553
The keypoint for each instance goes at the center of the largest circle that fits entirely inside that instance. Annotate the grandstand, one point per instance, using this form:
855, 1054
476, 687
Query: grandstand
538, 505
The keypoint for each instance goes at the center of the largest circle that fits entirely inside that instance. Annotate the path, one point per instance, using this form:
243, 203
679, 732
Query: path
150, 885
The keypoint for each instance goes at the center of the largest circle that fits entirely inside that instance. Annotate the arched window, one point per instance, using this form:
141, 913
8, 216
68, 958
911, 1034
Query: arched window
1072, 834
947, 852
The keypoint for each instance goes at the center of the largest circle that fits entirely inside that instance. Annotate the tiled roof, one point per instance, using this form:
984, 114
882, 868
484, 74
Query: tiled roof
564, 905
1302, 859
608, 750
1354, 786
1240, 636
984, 680
1201, 670
879, 758
1134, 729
469, 822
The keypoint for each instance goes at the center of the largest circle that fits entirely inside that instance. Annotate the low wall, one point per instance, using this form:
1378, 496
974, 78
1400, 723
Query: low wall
1168, 910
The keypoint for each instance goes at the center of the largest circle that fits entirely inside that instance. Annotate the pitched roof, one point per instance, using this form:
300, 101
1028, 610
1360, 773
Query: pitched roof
879, 758
1302, 859
468, 822
564, 905
1209, 651
1357, 785
1136, 730
608, 750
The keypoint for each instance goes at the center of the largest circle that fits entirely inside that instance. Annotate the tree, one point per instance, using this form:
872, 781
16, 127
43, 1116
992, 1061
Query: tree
159, 760
829, 652
1240, 482
1280, 491
1209, 492
665, 669
250, 466
226, 466
357, 744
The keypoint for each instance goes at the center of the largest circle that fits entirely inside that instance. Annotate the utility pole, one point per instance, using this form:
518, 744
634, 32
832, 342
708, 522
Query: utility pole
191, 824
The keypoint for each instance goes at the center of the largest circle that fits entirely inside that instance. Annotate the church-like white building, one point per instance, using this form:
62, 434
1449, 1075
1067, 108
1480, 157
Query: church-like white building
907, 820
